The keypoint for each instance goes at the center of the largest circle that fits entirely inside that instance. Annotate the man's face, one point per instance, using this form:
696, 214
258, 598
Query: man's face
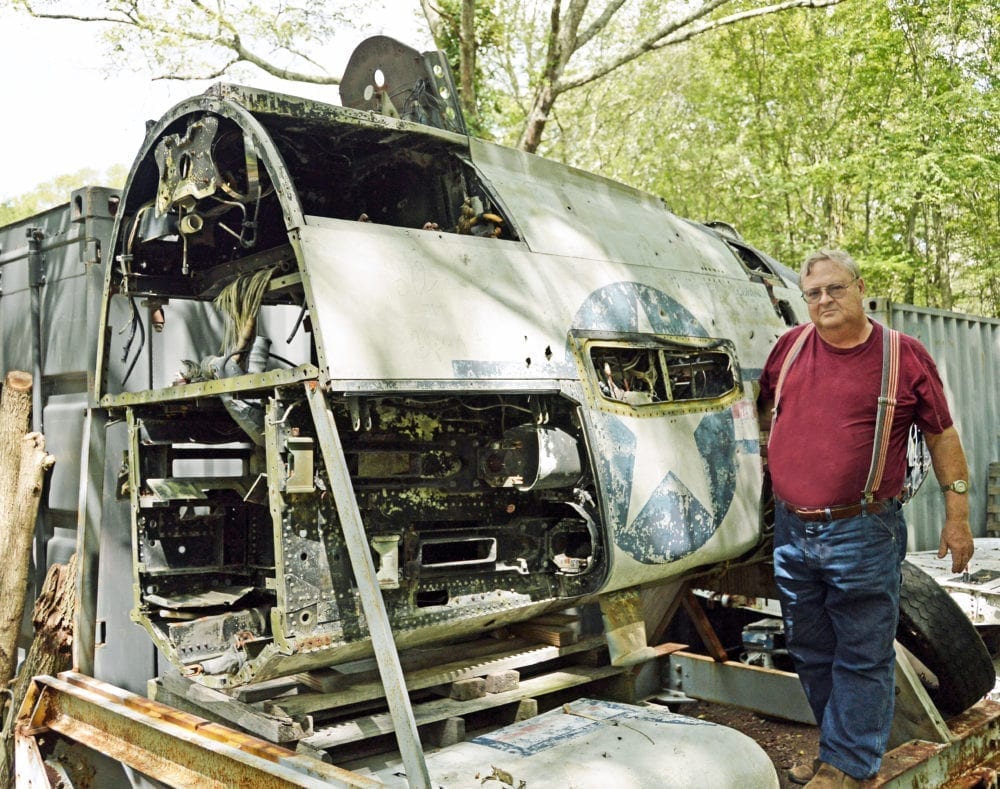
844, 312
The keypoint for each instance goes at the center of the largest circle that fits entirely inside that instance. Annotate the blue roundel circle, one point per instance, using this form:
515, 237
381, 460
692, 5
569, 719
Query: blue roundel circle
673, 522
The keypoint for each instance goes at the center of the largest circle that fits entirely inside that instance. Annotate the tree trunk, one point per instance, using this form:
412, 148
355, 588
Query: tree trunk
52, 650
467, 62
19, 528
15, 408
531, 137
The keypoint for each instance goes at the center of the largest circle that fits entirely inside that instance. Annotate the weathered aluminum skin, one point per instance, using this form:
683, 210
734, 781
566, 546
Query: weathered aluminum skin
966, 349
591, 744
977, 591
542, 381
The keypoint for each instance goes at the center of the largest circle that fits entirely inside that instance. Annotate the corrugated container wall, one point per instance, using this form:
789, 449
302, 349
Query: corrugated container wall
967, 351
51, 282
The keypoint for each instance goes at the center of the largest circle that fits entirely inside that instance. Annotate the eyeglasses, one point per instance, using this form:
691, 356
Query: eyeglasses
835, 292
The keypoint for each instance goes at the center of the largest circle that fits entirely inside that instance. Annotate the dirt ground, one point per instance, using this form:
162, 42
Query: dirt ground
786, 743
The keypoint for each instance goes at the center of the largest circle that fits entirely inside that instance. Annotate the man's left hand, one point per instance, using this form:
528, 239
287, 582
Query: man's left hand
956, 536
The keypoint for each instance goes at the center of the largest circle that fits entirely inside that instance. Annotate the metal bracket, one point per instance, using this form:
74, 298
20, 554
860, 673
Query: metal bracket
539, 408
361, 417
299, 464
36, 261
916, 717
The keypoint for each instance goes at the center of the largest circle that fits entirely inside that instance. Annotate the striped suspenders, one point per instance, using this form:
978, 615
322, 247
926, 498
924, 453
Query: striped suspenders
786, 364
886, 401
886, 410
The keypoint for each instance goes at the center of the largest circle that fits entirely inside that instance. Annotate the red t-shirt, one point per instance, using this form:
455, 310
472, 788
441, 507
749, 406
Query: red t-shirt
822, 438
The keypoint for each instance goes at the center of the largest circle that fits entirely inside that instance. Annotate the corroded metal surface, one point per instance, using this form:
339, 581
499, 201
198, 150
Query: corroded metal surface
535, 404
175, 747
972, 755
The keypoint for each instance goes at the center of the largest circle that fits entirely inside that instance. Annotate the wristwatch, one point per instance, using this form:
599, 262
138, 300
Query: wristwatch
959, 486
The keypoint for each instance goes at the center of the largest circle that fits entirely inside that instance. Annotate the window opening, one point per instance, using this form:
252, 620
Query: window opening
647, 375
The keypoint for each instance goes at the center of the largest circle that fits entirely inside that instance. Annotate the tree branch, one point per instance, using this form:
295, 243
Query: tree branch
599, 24
434, 15
247, 56
225, 37
31, 11
684, 30
777, 8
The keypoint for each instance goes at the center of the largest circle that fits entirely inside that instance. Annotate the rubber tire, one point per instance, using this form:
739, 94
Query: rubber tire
940, 635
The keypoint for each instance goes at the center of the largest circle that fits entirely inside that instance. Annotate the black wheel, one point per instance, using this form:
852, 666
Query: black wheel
934, 629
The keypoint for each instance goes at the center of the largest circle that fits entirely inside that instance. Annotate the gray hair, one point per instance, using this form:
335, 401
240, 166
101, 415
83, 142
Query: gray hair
837, 256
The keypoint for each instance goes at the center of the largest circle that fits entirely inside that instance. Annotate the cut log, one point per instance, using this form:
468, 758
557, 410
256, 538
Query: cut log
16, 550
15, 409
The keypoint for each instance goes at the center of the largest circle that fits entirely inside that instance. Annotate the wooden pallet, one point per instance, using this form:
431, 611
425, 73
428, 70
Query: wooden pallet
993, 500
339, 707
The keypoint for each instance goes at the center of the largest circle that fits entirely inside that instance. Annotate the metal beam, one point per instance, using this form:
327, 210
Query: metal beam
764, 690
171, 746
972, 758
363, 565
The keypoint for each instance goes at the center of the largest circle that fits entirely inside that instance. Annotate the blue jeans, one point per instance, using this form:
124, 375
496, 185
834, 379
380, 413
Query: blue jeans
839, 584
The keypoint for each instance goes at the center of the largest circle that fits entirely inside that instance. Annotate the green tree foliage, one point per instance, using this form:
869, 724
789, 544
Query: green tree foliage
470, 35
875, 127
57, 191
552, 48
806, 123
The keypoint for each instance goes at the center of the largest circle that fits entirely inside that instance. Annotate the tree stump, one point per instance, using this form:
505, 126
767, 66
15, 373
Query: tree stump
51, 652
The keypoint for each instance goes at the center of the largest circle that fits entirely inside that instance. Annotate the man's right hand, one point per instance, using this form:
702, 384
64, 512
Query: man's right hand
956, 536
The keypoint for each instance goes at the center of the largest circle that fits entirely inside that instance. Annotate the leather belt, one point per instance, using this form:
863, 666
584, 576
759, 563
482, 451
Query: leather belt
837, 513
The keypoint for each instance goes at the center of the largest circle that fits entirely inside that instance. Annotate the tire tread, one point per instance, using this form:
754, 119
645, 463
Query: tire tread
940, 635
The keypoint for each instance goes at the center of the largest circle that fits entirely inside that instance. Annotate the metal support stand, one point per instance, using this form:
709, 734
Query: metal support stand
916, 717
88, 541
371, 597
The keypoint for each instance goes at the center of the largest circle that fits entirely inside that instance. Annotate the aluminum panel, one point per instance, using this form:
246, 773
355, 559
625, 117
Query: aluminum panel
456, 307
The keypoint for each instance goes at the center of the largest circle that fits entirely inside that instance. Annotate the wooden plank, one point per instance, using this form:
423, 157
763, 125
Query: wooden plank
441, 734
261, 691
526, 708
554, 619
659, 606
307, 703
557, 635
704, 628
375, 725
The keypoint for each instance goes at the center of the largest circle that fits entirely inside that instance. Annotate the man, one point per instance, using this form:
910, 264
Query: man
838, 551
